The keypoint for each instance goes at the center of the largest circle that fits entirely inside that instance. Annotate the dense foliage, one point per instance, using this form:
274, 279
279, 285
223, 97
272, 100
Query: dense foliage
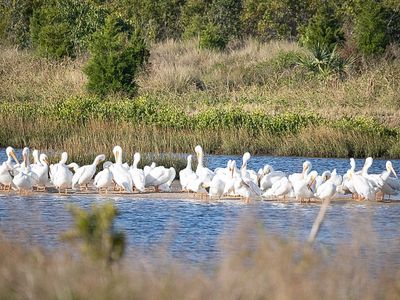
117, 53
64, 27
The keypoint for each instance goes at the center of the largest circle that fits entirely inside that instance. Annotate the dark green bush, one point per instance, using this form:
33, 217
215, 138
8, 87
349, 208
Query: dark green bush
323, 29
64, 27
117, 52
211, 37
370, 29
51, 34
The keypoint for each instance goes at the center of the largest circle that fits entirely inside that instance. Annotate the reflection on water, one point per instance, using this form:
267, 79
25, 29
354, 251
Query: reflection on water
191, 230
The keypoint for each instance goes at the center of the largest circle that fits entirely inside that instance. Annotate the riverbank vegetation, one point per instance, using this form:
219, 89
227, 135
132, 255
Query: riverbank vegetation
324, 84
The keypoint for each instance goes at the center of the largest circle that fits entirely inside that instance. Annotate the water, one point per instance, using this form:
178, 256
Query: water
190, 230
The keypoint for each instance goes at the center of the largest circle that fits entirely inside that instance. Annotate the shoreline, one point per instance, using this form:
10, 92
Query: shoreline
177, 194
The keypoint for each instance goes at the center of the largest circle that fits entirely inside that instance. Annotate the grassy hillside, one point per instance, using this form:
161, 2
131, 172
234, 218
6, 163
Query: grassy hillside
254, 96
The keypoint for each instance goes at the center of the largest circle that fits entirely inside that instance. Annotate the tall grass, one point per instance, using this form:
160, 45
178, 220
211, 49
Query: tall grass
255, 265
84, 141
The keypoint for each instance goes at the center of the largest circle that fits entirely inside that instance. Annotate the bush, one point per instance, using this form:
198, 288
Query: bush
117, 54
323, 29
212, 38
51, 35
323, 62
370, 29
63, 28
95, 231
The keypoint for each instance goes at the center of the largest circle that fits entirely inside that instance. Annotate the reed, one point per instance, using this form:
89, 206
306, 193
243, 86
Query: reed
255, 265
166, 145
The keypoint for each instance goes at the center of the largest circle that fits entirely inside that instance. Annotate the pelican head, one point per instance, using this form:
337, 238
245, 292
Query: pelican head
267, 169
136, 156
99, 158
313, 175
306, 166
189, 158
326, 175
352, 164
35, 154
117, 151
43, 159
10, 153
389, 168
198, 149
64, 158
107, 164
245, 159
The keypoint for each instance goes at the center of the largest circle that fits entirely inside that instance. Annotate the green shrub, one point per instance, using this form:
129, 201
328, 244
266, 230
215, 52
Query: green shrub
118, 52
51, 35
95, 232
370, 28
64, 27
323, 29
324, 62
212, 38
275, 19
194, 17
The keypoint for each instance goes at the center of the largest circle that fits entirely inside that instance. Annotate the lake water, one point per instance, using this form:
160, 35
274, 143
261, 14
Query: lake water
191, 230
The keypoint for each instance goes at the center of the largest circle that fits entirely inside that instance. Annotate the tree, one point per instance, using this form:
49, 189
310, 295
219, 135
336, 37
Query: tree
64, 27
370, 28
118, 51
323, 30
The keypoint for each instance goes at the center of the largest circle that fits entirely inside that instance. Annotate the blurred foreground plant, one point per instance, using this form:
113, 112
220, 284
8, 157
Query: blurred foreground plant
95, 233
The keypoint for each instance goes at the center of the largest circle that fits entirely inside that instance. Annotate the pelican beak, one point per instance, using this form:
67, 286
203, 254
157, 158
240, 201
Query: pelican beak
46, 161
394, 172
14, 157
311, 182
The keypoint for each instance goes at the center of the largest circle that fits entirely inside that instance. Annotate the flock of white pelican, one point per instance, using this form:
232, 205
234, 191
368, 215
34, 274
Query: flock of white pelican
231, 181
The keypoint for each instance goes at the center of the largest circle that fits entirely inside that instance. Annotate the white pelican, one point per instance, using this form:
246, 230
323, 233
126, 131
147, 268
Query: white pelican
25, 179
230, 180
326, 190
381, 181
187, 175
103, 179
61, 175
41, 169
361, 185
35, 155
322, 178
6, 168
84, 174
159, 176
137, 174
269, 176
301, 176
250, 174
347, 186
147, 169
205, 174
304, 188
121, 175
281, 188
166, 187
222, 175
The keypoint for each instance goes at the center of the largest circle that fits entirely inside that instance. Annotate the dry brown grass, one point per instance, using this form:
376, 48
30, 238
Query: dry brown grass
254, 266
25, 77
193, 78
